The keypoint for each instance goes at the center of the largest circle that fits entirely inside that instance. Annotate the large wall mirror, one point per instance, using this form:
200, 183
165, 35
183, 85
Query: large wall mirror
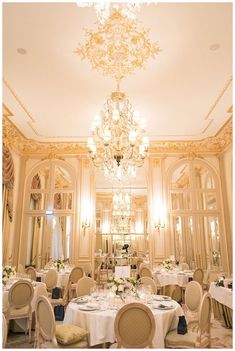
195, 214
49, 212
121, 218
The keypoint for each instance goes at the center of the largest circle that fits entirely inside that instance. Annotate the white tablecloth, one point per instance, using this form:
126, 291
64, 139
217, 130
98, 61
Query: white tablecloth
172, 278
62, 279
100, 324
39, 289
222, 295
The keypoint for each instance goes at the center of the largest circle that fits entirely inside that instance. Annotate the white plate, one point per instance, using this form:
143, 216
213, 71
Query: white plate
165, 308
88, 307
82, 299
161, 298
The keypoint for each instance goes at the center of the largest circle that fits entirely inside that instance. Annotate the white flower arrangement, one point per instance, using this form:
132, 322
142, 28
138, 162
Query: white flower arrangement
220, 281
167, 263
8, 271
118, 286
58, 264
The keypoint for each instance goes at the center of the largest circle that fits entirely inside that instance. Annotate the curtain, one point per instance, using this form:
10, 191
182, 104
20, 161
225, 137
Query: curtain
57, 250
7, 196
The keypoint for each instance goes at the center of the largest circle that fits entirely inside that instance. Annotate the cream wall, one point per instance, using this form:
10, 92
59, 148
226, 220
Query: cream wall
161, 242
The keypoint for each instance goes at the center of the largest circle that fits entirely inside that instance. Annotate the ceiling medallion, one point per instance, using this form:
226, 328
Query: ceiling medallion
118, 48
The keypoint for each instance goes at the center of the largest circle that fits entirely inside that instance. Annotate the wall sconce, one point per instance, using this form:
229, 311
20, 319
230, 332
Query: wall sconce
158, 225
85, 225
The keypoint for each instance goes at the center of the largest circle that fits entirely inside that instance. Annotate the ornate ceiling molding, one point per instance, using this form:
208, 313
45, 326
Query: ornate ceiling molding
118, 48
213, 145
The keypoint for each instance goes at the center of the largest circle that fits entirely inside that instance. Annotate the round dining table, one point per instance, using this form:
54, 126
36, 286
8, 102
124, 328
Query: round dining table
100, 321
172, 277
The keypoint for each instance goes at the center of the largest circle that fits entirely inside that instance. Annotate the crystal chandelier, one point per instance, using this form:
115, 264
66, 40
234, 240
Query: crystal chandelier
121, 203
118, 144
104, 9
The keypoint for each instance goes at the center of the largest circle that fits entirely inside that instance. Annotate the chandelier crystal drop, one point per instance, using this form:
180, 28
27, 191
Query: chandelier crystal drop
118, 144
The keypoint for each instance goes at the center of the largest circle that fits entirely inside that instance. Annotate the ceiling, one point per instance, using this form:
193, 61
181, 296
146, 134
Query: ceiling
184, 93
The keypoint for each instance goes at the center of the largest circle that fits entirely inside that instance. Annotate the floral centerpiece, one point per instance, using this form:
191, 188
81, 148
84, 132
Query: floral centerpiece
58, 264
120, 285
167, 263
7, 272
220, 281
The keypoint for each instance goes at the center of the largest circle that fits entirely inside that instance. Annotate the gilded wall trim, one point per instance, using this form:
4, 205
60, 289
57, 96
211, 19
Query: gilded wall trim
215, 144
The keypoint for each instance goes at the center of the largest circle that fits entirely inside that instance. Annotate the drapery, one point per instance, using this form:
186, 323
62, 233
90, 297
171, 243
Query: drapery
56, 247
8, 180
7, 197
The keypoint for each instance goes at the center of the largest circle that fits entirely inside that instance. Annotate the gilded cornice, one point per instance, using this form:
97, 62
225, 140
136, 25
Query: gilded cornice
13, 137
213, 145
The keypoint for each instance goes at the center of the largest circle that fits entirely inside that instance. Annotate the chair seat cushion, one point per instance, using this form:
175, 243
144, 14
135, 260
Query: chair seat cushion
68, 334
175, 340
83, 344
55, 302
17, 312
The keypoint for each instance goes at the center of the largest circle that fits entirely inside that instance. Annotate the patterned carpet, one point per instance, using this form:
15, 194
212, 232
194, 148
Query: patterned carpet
221, 338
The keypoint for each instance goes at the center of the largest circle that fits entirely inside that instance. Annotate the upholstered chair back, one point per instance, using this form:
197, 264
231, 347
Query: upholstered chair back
134, 326
145, 272
147, 281
184, 266
4, 331
205, 314
45, 321
51, 279
76, 274
193, 296
198, 275
31, 272
84, 286
20, 294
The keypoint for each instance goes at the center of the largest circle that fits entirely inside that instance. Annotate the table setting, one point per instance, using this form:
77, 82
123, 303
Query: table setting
97, 313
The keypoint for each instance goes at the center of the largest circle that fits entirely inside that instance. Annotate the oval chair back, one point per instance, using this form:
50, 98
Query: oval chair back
31, 272
193, 296
134, 326
4, 331
147, 281
76, 274
198, 276
145, 272
184, 266
20, 294
51, 279
205, 315
84, 286
45, 322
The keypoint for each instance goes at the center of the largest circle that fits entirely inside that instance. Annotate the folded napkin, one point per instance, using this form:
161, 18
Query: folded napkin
182, 325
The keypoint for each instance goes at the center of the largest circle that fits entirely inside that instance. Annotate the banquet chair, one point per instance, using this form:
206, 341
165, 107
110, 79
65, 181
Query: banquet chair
51, 280
138, 263
50, 335
195, 337
184, 266
31, 272
19, 298
193, 298
20, 269
62, 300
4, 331
198, 276
159, 286
84, 286
134, 326
205, 283
145, 272
176, 293
87, 269
75, 274
102, 275
149, 282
